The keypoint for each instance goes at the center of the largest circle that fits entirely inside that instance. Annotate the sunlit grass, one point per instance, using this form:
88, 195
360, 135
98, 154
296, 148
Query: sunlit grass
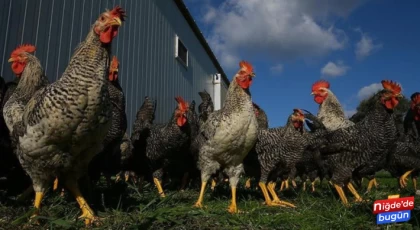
123, 207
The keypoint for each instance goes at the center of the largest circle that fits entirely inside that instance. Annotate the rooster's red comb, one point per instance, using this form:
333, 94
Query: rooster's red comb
247, 66
182, 105
394, 87
118, 12
24, 48
320, 84
114, 62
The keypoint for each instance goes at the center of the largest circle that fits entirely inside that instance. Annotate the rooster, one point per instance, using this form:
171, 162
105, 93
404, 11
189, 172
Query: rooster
108, 161
359, 148
330, 112
228, 135
64, 124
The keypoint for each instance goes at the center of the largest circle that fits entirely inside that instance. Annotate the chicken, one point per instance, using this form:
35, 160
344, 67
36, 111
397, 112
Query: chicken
108, 161
261, 117
359, 148
30, 73
206, 107
135, 164
228, 135
64, 124
310, 166
162, 147
277, 151
330, 112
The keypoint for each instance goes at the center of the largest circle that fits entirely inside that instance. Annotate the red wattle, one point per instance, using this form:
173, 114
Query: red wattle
181, 121
319, 99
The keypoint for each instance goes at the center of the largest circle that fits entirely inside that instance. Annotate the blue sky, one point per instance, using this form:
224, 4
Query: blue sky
293, 43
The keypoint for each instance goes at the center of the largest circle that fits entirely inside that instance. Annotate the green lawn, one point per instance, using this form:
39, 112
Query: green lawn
125, 208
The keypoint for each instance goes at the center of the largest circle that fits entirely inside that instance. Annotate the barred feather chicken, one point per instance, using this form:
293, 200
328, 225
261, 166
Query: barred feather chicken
162, 146
31, 78
206, 107
309, 167
359, 148
330, 112
30, 73
64, 124
228, 135
108, 161
277, 150
412, 118
261, 117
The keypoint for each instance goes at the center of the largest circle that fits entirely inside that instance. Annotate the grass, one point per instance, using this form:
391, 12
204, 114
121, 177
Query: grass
124, 207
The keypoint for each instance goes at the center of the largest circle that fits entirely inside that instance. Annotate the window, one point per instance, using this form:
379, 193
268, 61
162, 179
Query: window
181, 52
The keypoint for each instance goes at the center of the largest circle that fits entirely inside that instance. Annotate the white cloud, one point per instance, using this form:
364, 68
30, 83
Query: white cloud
276, 30
366, 46
369, 90
276, 69
332, 69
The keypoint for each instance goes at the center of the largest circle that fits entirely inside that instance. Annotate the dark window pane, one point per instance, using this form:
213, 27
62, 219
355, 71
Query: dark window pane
182, 52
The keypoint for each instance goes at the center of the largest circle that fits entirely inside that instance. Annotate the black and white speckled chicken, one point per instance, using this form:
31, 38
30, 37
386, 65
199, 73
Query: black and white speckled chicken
165, 147
228, 135
310, 165
64, 124
108, 162
277, 150
30, 73
360, 148
206, 107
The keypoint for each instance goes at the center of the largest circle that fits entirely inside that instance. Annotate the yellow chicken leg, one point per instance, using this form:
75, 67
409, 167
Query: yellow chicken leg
294, 184
37, 203
414, 179
87, 213
403, 178
199, 203
248, 183
159, 187
276, 199
341, 194
213, 184
371, 184
55, 186
354, 192
304, 186
233, 207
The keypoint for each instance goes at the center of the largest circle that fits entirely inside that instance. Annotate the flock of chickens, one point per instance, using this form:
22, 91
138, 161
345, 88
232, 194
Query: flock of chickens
55, 133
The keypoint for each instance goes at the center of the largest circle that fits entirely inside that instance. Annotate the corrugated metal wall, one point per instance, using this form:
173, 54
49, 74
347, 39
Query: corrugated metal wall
144, 46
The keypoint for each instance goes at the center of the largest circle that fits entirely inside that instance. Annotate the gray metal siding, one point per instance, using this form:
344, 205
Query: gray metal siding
145, 46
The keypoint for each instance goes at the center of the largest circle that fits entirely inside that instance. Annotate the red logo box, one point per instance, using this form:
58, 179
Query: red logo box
393, 205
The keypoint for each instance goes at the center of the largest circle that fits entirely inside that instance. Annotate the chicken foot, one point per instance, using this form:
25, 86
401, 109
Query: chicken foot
233, 208
55, 187
199, 203
341, 194
403, 178
248, 183
271, 188
267, 198
354, 192
87, 213
159, 187
371, 184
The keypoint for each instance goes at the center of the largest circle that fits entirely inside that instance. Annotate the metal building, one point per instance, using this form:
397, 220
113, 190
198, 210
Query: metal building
162, 52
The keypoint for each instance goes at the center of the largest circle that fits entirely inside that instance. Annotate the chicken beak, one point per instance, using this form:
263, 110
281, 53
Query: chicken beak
252, 74
312, 93
399, 95
116, 22
11, 60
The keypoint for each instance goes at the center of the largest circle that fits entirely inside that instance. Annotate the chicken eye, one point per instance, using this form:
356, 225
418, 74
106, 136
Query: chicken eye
102, 18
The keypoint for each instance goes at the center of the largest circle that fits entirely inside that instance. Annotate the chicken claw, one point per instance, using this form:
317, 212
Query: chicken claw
371, 184
199, 203
159, 187
403, 178
341, 194
276, 201
233, 208
248, 183
55, 186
